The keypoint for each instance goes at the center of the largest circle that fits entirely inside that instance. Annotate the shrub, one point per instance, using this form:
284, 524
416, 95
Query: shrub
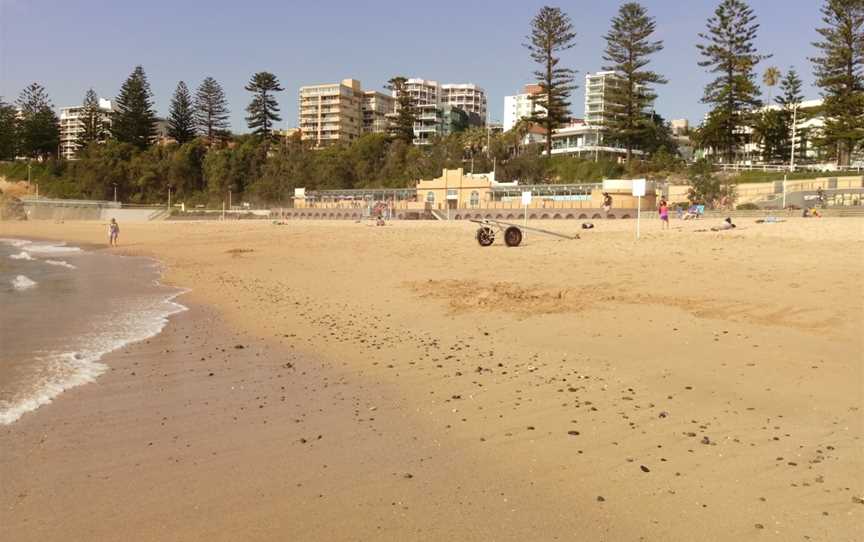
748, 207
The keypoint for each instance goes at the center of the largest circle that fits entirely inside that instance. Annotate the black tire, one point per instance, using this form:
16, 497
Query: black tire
485, 236
512, 236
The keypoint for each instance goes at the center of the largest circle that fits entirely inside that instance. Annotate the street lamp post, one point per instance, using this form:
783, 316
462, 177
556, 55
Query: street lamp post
169, 197
115, 192
794, 130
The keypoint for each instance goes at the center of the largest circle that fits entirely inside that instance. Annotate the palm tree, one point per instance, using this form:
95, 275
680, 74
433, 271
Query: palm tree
474, 140
518, 133
770, 79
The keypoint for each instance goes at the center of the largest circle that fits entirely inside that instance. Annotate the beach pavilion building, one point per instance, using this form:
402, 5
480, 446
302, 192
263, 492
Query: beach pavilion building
459, 195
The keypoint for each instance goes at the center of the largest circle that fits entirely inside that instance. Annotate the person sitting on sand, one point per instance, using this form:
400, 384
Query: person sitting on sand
663, 210
727, 225
691, 214
113, 232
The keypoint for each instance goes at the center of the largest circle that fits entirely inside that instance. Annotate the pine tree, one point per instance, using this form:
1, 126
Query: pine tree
839, 72
790, 90
211, 110
406, 110
38, 125
181, 117
264, 109
551, 34
729, 51
135, 122
771, 130
628, 46
8, 131
790, 99
92, 121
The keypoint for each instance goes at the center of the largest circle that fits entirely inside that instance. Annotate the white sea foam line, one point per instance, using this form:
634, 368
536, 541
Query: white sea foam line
77, 368
60, 263
52, 249
15, 242
22, 283
21, 256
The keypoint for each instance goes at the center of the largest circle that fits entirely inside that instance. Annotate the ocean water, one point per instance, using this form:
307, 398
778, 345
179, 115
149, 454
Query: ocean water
62, 309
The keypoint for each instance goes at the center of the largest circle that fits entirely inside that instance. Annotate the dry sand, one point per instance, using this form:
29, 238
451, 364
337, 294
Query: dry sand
402, 383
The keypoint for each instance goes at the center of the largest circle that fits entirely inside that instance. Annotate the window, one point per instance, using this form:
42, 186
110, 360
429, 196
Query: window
430, 197
475, 198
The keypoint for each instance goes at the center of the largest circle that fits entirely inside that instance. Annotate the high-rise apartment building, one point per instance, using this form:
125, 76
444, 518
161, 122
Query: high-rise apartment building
466, 96
520, 106
376, 108
434, 102
341, 112
597, 87
426, 96
331, 113
72, 126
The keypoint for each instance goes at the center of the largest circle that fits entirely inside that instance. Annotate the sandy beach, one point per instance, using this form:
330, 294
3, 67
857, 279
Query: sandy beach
340, 381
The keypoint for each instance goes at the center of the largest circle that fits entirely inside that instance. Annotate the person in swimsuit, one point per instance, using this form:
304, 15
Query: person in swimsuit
113, 232
607, 202
664, 213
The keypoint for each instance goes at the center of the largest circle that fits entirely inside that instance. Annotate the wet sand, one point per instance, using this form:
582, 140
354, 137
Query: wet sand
691, 385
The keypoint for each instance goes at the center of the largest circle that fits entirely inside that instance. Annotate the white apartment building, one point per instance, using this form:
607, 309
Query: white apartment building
376, 108
585, 140
520, 106
808, 124
72, 126
426, 95
466, 96
597, 86
432, 99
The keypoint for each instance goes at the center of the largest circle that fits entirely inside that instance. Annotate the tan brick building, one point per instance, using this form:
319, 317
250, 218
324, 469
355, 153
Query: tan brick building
341, 112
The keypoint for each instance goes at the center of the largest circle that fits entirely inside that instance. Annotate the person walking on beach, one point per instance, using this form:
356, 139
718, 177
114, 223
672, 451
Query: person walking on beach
113, 232
607, 202
663, 210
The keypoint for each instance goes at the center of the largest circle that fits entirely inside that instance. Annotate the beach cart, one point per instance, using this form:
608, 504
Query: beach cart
512, 233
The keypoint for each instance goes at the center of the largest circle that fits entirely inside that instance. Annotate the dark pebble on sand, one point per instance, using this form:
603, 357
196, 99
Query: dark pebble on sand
644, 468
407, 475
600, 498
239, 346
573, 433
706, 440
759, 526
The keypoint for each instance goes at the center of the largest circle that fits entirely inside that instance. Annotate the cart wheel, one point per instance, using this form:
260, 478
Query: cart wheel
485, 236
512, 236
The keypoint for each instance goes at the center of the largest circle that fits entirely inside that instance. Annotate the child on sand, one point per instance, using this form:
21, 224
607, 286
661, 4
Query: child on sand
664, 213
113, 232
607, 202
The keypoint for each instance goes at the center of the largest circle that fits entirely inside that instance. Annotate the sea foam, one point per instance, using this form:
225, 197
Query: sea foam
22, 283
129, 324
21, 256
45, 248
60, 263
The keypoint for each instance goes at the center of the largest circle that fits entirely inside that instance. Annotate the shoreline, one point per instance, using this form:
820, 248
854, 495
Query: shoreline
88, 355
521, 405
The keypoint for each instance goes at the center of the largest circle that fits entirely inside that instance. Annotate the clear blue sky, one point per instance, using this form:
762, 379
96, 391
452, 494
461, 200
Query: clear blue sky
72, 45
